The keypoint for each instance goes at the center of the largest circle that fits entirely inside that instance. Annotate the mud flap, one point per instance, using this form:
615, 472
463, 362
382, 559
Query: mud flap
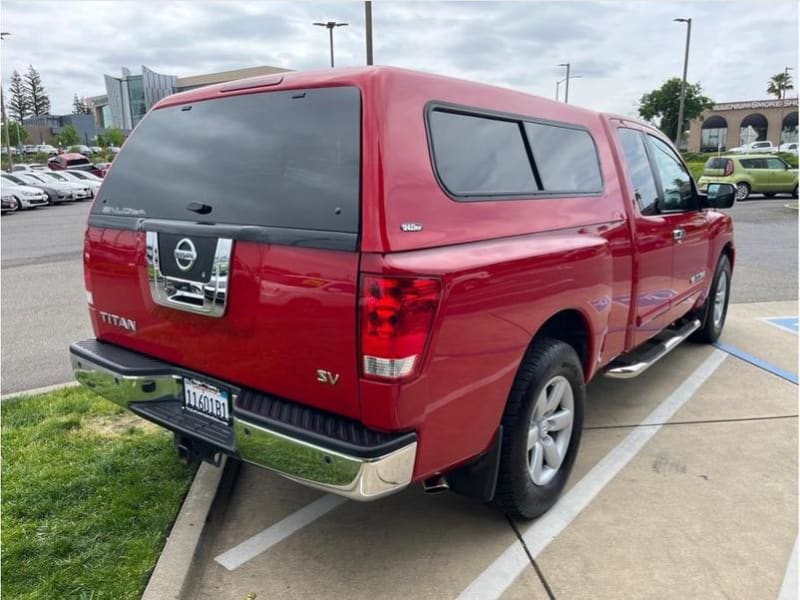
478, 479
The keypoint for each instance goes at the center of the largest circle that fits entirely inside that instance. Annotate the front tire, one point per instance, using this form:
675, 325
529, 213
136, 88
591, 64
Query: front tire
742, 191
715, 308
542, 426
18, 203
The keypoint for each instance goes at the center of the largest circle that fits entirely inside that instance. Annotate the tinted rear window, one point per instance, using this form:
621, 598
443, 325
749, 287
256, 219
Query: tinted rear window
278, 159
78, 161
477, 156
717, 163
566, 158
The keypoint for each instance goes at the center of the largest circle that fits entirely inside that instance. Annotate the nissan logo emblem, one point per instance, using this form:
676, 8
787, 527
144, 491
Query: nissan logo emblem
185, 254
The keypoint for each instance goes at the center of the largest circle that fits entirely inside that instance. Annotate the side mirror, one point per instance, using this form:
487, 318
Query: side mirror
719, 195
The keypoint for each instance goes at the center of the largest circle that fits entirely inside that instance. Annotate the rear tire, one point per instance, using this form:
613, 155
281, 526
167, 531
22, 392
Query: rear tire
715, 308
18, 203
742, 191
794, 192
542, 426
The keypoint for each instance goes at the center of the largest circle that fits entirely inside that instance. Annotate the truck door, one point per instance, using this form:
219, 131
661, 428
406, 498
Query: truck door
652, 293
677, 205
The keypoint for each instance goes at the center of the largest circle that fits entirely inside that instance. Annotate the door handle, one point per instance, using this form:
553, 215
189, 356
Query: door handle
678, 235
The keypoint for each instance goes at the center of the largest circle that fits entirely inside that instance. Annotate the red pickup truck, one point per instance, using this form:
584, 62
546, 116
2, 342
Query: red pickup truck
363, 278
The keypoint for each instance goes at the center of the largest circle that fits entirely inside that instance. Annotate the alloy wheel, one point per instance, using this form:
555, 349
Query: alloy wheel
550, 430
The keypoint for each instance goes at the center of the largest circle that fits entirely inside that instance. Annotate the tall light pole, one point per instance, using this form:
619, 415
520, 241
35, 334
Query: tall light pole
783, 103
3, 35
330, 25
566, 87
558, 83
368, 21
679, 133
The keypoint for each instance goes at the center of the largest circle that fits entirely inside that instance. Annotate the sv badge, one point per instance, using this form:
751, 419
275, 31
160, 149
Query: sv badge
327, 377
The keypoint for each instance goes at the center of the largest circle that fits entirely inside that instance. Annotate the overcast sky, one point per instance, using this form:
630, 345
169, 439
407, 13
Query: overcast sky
622, 49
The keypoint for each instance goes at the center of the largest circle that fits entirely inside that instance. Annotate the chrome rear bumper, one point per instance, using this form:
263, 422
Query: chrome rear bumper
140, 383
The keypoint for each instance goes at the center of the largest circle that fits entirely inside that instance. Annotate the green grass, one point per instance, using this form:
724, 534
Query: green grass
89, 494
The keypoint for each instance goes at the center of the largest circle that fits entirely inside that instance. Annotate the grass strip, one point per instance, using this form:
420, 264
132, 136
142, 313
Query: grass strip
89, 493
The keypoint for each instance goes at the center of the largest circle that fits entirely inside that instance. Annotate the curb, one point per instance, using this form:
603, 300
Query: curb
171, 574
39, 390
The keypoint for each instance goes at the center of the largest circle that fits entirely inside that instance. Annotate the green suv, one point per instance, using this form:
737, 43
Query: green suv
751, 174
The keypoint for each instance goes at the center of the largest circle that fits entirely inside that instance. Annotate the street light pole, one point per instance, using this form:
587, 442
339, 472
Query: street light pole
330, 25
3, 35
679, 133
558, 83
368, 21
566, 87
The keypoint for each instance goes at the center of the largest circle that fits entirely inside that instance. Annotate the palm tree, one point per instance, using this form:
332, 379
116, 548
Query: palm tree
778, 84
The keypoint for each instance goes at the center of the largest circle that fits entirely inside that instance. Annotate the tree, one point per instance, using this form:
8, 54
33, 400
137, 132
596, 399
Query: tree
19, 105
779, 84
113, 137
16, 134
68, 136
663, 104
37, 95
79, 106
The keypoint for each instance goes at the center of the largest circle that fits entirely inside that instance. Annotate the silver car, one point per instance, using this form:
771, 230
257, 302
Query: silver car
81, 190
90, 180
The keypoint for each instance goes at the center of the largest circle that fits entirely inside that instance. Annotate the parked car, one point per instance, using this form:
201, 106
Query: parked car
95, 149
114, 149
56, 191
80, 190
29, 149
433, 271
751, 174
93, 182
791, 148
80, 149
30, 167
47, 149
13, 151
24, 196
72, 161
754, 147
101, 168
7, 203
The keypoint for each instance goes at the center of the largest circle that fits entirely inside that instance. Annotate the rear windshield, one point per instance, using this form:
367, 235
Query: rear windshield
717, 163
277, 159
78, 161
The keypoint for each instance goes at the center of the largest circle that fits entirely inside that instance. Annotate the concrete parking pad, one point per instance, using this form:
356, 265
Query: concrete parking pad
746, 330
706, 508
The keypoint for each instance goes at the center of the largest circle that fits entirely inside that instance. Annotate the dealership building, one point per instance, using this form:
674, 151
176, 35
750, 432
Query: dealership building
129, 97
732, 124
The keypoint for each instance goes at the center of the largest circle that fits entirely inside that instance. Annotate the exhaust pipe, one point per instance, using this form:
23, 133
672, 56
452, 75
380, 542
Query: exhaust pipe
434, 485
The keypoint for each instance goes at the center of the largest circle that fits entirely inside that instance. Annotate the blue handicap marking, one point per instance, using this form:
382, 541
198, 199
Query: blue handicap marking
786, 323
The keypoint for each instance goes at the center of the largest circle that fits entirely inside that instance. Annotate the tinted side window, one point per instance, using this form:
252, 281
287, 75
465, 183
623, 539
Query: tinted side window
642, 180
676, 183
753, 163
716, 163
479, 156
566, 158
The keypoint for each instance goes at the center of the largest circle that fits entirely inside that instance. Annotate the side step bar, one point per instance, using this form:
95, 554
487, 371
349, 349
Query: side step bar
639, 360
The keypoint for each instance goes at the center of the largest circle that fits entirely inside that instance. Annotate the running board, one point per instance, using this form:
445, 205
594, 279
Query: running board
645, 356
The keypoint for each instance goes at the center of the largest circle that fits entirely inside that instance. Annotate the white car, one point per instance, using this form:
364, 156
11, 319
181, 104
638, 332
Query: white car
95, 149
81, 191
57, 191
14, 151
90, 180
763, 146
47, 149
790, 147
114, 149
24, 196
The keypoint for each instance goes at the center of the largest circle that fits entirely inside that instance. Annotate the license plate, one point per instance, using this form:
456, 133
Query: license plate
205, 399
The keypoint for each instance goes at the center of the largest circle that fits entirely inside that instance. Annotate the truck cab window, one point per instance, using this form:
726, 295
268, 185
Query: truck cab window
639, 171
676, 182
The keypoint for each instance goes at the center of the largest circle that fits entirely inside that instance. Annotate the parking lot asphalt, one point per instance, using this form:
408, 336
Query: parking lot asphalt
44, 304
685, 486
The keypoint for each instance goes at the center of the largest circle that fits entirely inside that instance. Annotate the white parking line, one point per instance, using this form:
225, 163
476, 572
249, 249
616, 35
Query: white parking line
509, 565
261, 542
790, 590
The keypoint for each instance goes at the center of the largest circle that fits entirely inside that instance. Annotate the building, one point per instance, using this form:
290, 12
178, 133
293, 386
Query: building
129, 97
732, 124
44, 129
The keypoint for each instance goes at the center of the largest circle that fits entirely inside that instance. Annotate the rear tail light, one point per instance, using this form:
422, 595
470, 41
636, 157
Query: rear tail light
396, 318
728, 167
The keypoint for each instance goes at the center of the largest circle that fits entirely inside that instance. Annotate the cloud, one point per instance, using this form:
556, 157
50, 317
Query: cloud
621, 49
